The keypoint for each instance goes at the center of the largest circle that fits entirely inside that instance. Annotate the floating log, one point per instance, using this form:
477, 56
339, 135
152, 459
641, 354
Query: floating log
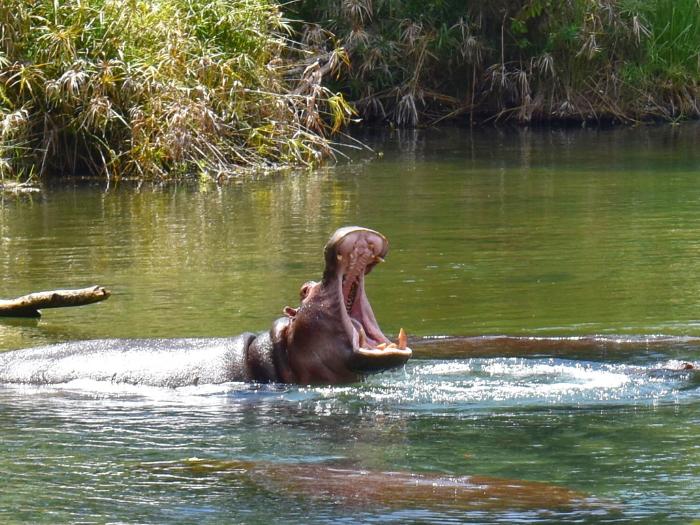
29, 305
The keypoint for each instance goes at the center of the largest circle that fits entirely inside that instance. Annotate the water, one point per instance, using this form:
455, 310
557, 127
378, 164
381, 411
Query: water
544, 233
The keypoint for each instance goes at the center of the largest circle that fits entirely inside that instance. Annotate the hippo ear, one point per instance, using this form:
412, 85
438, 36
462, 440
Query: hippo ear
289, 311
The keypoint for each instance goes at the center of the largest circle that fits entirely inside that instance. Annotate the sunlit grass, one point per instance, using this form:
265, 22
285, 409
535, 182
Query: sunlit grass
157, 89
674, 35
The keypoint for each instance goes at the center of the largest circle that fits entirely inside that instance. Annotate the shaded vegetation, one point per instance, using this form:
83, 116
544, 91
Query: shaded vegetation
424, 61
157, 89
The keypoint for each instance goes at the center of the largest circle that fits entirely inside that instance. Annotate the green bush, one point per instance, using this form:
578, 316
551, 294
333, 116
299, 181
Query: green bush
156, 89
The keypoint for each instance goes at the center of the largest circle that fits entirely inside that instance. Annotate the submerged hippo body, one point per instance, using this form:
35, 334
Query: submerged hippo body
333, 337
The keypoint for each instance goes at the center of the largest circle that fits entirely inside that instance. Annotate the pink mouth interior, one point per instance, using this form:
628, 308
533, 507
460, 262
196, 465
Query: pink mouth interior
357, 253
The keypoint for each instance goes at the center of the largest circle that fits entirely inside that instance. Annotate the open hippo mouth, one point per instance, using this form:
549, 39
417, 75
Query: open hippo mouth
350, 254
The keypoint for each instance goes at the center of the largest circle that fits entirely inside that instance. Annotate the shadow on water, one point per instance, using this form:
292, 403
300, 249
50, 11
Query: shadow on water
529, 148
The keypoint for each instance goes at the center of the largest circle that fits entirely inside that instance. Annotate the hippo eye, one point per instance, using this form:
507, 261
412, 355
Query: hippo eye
305, 289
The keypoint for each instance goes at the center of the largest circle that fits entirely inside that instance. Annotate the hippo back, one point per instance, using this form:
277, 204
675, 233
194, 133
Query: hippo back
155, 362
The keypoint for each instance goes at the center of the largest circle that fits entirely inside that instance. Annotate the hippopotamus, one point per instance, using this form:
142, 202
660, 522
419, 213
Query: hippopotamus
332, 337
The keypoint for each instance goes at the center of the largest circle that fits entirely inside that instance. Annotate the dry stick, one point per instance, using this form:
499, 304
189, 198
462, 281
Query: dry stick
29, 305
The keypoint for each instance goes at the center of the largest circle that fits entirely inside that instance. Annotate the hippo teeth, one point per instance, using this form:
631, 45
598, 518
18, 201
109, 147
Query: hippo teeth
362, 337
401, 344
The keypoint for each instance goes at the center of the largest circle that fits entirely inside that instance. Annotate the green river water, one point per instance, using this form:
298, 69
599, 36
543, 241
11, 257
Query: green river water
520, 232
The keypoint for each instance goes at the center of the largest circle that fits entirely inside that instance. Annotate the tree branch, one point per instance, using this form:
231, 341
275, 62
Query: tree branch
29, 305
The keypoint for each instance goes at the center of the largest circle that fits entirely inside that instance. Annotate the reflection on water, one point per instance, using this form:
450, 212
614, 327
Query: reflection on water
523, 232
493, 232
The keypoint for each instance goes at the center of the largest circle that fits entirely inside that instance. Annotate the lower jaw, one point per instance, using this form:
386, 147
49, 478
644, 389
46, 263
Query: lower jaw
376, 352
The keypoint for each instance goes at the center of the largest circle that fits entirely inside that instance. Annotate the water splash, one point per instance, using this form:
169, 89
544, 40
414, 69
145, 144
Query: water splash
434, 385
504, 382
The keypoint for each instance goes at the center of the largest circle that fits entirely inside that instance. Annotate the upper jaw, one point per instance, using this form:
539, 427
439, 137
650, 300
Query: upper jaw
351, 253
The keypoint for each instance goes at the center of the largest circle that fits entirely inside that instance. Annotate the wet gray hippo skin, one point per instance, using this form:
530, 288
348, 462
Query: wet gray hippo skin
333, 337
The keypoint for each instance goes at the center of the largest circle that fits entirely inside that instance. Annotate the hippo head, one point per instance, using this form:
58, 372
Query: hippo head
333, 337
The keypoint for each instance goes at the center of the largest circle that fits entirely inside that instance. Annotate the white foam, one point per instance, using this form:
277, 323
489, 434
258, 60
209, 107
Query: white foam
517, 381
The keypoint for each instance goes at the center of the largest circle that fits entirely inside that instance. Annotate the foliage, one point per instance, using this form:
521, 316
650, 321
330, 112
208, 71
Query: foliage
422, 61
157, 89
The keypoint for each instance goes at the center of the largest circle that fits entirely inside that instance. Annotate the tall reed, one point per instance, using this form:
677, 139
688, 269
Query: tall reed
157, 89
424, 61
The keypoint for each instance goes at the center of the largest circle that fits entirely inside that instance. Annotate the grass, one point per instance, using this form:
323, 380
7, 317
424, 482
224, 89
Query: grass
157, 89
